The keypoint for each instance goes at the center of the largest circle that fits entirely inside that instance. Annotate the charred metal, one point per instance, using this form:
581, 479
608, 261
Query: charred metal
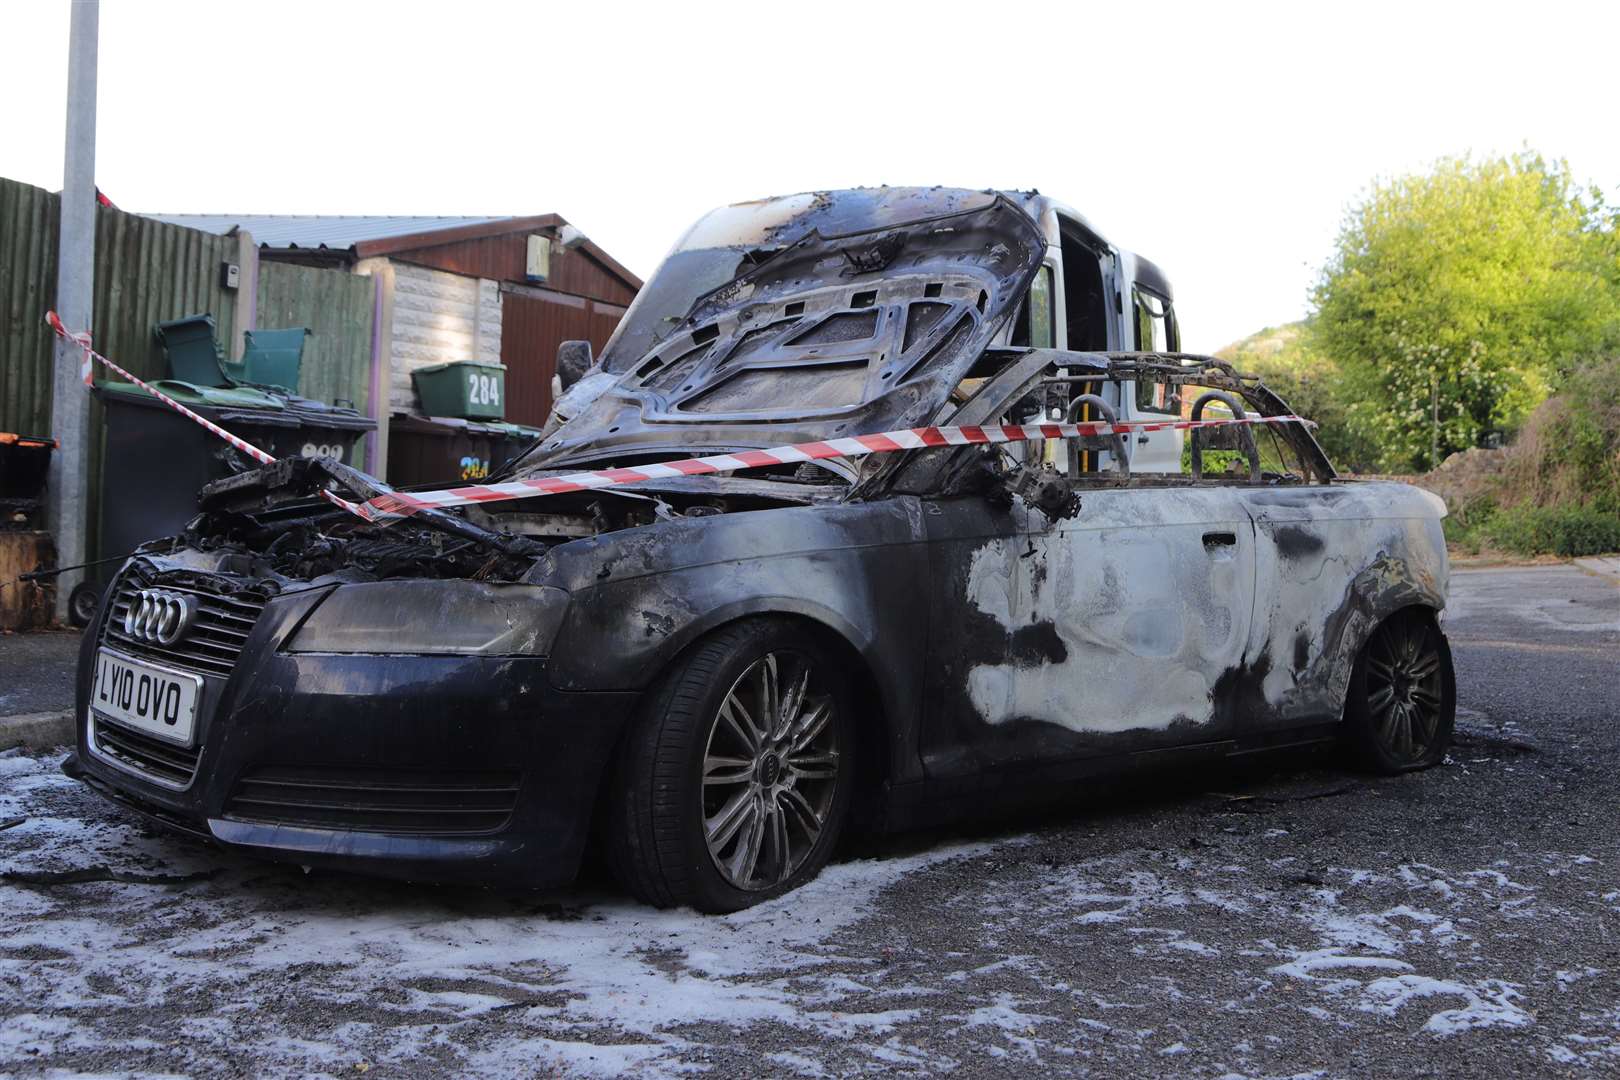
992, 619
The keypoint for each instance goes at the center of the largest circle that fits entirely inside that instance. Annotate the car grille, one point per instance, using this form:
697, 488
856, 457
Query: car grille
215, 639
374, 800
153, 758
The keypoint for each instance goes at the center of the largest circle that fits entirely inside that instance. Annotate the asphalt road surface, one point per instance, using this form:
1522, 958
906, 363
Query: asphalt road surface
1297, 921
36, 671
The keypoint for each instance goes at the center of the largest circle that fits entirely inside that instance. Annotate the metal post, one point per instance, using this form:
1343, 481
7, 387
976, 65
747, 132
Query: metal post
1434, 431
247, 293
381, 271
68, 490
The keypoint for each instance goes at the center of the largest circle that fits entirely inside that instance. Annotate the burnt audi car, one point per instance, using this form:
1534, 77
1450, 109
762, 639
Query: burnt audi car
710, 678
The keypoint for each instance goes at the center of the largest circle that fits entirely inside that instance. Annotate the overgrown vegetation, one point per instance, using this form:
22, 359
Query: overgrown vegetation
1557, 488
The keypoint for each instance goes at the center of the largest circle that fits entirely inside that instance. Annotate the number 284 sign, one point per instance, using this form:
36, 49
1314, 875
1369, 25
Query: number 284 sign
483, 389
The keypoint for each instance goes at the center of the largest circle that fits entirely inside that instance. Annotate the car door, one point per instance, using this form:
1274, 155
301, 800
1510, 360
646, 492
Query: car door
1311, 546
1110, 632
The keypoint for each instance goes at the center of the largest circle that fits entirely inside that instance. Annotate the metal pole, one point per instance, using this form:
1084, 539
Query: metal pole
68, 490
1434, 431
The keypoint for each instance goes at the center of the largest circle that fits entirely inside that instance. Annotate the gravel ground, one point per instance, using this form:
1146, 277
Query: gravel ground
1295, 921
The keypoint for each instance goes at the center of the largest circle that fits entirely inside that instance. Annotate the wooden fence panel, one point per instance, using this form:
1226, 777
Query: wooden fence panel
338, 309
29, 220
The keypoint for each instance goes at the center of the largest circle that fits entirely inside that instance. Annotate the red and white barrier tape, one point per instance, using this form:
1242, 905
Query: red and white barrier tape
401, 504
394, 505
82, 340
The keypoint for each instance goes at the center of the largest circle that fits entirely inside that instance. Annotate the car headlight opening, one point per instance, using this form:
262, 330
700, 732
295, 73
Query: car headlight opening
455, 618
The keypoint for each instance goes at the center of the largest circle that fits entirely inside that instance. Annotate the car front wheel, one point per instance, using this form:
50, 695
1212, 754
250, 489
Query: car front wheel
736, 782
1402, 701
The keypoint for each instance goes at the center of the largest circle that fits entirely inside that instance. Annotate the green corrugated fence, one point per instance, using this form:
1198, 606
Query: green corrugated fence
29, 218
147, 272
337, 307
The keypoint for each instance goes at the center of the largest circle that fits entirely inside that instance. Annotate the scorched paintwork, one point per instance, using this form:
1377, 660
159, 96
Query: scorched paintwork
1126, 588
447, 697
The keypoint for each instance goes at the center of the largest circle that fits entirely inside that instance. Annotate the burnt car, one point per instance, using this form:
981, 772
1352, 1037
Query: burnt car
711, 679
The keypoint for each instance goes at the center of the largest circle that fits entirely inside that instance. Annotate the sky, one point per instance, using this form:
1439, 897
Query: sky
1224, 141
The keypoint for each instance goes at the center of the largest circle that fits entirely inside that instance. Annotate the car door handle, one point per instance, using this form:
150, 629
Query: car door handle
1144, 437
1220, 539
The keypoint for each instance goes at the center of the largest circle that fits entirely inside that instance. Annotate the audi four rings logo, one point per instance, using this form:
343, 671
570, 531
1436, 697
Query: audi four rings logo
159, 616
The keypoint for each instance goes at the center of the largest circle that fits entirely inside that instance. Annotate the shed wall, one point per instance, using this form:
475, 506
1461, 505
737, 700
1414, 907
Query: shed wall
534, 323
439, 317
505, 258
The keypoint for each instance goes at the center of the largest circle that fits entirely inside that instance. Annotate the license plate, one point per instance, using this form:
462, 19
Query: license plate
146, 697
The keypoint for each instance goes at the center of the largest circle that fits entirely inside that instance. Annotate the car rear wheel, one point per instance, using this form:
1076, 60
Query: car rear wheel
1402, 701
83, 603
735, 785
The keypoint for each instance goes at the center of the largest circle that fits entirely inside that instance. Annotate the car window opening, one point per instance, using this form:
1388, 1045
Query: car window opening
1159, 386
1085, 296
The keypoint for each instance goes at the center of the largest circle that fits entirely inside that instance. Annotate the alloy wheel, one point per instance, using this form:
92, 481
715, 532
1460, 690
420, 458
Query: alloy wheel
770, 771
1405, 687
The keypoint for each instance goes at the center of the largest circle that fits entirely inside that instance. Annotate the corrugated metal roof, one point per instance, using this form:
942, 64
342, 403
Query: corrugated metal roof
318, 230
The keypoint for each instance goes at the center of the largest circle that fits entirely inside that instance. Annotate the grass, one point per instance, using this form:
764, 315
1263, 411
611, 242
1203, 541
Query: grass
1565, 531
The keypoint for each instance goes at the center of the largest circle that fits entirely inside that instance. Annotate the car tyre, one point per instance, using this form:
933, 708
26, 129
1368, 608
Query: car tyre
736, 780
1402, 701
83, 603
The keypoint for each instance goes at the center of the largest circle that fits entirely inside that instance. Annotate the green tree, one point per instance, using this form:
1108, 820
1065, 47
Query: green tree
1287, 360
1462, 296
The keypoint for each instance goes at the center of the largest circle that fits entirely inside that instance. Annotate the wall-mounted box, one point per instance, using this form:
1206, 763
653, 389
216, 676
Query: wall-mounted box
537, 267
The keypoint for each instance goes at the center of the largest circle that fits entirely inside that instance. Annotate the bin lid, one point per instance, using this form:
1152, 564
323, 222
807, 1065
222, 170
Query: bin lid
450, 425
311, 413
243, 403
513, 431
287, 337
213, 397
189, 328
272, 357
11, 438
192, 352
431, 368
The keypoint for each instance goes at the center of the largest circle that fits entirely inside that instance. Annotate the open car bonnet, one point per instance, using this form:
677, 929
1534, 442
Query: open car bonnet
801, 318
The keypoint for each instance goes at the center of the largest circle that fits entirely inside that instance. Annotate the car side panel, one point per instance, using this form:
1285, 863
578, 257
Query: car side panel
642, 595
1109, 633
1333, 562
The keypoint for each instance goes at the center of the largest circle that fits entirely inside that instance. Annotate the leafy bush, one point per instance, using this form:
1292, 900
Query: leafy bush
1215, 462
1523, 529
1568, 531
1465, 526
1557, 491
1569, 452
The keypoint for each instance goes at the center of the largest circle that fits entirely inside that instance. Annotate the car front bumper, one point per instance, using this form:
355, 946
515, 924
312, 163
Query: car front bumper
433, 768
